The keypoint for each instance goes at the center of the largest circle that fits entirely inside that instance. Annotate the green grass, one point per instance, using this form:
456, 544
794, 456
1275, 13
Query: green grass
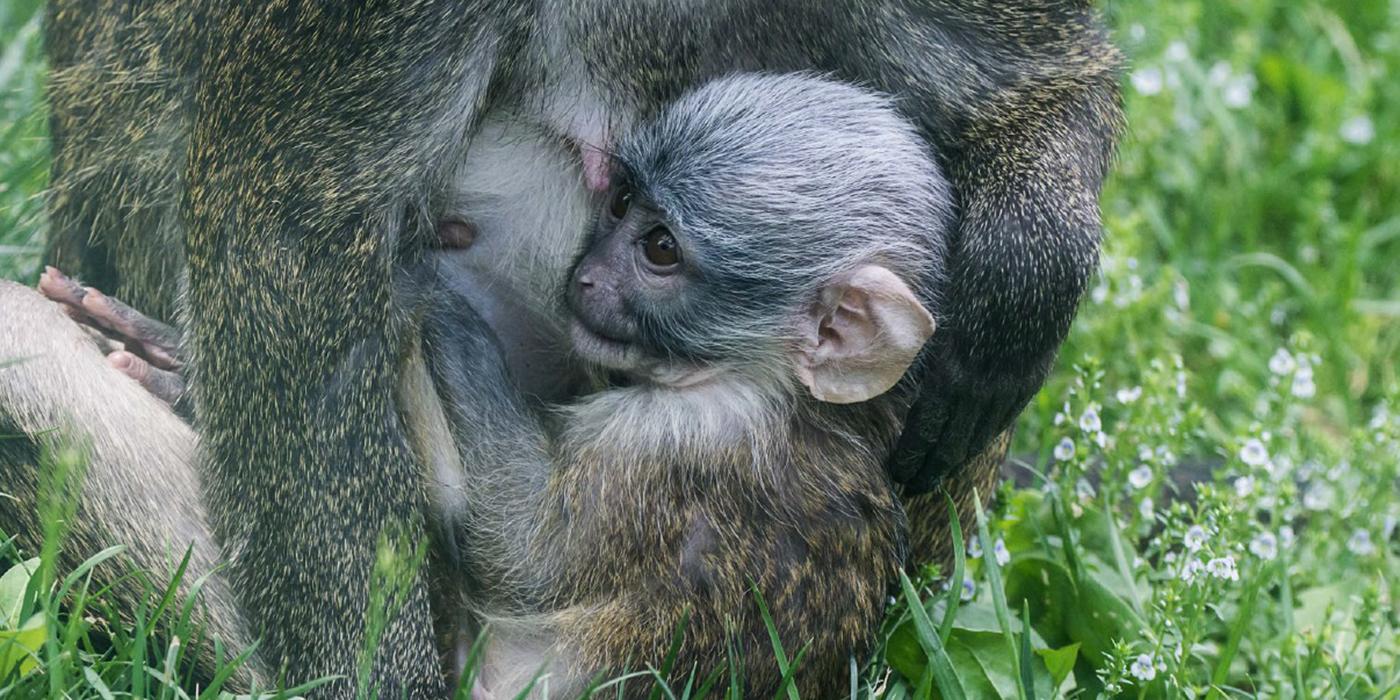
1245, 330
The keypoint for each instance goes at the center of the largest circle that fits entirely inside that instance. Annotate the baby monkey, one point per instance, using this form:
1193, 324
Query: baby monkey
754, 288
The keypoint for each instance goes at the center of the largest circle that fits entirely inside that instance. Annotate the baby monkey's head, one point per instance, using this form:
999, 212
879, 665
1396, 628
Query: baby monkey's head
782, 226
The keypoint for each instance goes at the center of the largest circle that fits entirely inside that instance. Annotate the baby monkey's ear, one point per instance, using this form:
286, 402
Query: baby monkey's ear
861, 337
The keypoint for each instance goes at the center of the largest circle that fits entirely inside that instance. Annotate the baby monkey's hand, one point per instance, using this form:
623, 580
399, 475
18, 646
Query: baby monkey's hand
140, 347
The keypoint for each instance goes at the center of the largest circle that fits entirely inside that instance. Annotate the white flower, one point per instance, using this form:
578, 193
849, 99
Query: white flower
1282, 363
1195, 538
1190, 569
1165, 456
1318, 496
1264, 545
1101, 439
1000, 553
1380, 417
1143, 668
1148, 80
1177, 51
974, 548
1358, 131
1181, 385
1244, 486
1238, 93
1139, 478
1220, 73
1126, 396
1100, 293
1064, 450
1223, 568
1137, 32
1145, 508
1286, 536
1090, 421
1083, 490
1360, 543
1303, 385
969, 590
1181, 294
1253, 453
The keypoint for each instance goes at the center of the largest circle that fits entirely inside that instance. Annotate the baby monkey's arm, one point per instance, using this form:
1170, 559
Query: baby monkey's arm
504, 452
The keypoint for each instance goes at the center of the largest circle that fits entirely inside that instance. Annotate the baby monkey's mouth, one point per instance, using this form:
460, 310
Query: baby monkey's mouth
629, 364
602, 349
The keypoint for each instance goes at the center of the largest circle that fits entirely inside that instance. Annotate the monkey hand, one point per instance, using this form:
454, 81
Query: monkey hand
140, 347
953, 419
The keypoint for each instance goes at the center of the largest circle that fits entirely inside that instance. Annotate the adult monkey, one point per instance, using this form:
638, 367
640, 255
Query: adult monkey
308, 141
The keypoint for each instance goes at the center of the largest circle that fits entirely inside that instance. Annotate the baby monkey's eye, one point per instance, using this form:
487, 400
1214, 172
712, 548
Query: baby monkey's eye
661, 248
621, 202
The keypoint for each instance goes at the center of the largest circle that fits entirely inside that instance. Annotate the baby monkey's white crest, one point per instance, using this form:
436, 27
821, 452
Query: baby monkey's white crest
861, 336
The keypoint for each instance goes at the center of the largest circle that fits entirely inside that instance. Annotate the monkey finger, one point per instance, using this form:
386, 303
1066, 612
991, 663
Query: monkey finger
63, 289
105, 343
911, 451
952, 446
158, 342
165, 385
918, 446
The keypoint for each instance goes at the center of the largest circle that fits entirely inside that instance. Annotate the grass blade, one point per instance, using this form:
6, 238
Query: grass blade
1027, 673
777, 643
955, 584
989, 561
942, 667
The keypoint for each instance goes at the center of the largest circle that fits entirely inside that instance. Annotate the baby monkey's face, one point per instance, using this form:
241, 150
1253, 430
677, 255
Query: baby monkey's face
664, 303
635, 270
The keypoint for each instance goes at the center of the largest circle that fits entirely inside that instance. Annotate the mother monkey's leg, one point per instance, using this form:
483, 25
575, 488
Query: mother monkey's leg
141, 489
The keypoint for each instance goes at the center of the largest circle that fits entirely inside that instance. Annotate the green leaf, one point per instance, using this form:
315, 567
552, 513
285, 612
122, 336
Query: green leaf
1060, 662
984, 670
21, 646
1091, 614
904, 653
12, 587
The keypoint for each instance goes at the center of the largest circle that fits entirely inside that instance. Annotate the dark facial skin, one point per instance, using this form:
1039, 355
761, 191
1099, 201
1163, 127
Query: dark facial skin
634, 259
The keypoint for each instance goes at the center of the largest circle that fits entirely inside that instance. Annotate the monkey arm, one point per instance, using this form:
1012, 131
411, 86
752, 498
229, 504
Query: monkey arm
317, 127
69, 420
494, 504
1024, 110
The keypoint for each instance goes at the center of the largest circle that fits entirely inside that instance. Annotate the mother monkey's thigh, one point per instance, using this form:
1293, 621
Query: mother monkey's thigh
140, 487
